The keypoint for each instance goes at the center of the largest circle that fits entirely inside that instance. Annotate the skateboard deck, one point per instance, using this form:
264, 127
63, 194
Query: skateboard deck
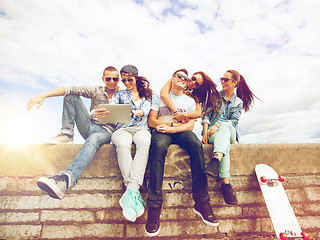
281, 213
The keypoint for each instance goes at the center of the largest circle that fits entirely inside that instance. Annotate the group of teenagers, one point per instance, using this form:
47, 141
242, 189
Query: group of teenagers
157, 120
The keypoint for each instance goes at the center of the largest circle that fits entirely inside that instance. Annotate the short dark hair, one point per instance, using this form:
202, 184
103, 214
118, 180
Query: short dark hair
181, 70
110, 69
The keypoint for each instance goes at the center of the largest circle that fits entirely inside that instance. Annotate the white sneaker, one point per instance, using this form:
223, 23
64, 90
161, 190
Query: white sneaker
60, 138
55, 186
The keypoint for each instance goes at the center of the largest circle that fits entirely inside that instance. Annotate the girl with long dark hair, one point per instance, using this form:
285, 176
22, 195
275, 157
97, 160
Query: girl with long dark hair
138, 94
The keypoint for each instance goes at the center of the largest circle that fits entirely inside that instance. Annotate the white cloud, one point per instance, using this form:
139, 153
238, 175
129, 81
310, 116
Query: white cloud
274, 44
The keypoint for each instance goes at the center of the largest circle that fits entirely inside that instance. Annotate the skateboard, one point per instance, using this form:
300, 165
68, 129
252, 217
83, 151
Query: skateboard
282, 216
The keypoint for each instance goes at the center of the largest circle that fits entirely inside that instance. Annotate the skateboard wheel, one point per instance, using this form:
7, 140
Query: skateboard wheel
305, 236
283, 236
281, 179
263, 179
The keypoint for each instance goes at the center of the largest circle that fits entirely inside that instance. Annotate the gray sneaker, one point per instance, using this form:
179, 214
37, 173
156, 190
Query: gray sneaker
55, 186
60, 138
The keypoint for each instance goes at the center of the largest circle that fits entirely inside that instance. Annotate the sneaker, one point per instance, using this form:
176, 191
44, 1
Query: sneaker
140, 204
55, 186
228, 194
212, 169
205, 212
153, 222
132, 204
60, 138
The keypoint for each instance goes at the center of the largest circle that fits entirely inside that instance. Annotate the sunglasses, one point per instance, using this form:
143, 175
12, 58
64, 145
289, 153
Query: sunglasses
196, 84
130, 80
225, 80
178, 75
108, 79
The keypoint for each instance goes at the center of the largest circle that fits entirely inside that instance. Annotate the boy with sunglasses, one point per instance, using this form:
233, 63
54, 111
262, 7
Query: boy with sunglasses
90, 127
167, 131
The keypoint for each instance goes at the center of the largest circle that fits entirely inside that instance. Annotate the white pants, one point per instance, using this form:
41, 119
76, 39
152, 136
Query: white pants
132, 170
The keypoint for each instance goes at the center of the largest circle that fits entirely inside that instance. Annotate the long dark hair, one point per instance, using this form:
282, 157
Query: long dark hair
207, 94
143, 87
243, 90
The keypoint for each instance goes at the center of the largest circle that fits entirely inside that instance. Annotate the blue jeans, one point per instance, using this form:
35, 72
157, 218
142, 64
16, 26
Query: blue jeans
75, 112
158, 149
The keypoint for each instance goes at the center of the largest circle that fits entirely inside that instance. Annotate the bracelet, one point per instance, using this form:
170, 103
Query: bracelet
185, 117
175, 112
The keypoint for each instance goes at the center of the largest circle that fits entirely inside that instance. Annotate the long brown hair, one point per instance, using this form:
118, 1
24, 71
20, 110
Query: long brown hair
207, 94
243, 90
143, 87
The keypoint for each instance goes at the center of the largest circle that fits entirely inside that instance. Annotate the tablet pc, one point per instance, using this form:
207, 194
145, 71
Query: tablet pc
118, 113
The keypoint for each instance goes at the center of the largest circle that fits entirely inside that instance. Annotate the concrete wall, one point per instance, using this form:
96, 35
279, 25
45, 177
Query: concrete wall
91, 209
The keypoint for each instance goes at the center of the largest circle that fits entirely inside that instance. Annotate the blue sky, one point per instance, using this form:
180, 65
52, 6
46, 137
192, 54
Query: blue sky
273, 44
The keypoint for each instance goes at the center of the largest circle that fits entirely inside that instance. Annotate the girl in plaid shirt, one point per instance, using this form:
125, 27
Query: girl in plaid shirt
139, 95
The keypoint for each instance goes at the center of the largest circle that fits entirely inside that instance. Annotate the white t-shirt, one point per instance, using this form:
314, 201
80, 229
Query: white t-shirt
182, 102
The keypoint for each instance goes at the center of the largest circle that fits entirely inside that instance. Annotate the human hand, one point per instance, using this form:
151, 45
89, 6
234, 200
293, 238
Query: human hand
212, 130
205, 139
101, 113
180, 117
164, 129
35, 100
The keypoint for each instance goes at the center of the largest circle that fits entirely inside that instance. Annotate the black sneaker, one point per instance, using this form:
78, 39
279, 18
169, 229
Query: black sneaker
55, 186
212, 169
228, 194
153, 222
205, 212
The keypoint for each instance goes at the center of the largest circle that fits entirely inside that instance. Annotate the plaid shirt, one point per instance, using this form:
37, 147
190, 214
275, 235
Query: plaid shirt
125, 97
97, 94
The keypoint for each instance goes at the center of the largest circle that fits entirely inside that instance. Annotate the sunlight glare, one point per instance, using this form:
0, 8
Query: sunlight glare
20, 128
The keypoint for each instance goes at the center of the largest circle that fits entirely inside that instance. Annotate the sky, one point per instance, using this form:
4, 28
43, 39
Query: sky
274, 44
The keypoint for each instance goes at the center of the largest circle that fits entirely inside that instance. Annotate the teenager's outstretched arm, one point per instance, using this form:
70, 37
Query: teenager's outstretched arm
40, 97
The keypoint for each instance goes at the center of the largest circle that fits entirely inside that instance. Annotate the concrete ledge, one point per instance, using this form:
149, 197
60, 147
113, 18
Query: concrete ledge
36, 160
91, 209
